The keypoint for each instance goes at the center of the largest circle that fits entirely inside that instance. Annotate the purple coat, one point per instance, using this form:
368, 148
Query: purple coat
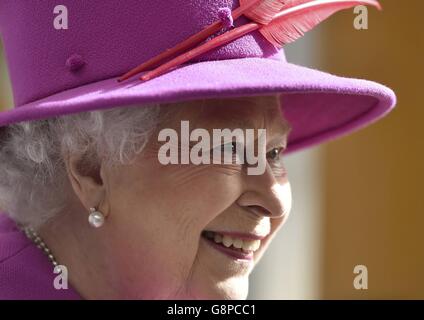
25, 271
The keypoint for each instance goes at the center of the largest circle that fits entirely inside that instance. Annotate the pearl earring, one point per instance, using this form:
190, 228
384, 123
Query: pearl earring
96, 218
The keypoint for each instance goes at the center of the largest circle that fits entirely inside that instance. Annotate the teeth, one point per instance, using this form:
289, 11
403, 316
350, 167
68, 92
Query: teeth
251, 245
227, 241
217, 238
237, 243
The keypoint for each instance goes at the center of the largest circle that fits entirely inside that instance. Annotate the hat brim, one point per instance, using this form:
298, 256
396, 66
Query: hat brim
319, 106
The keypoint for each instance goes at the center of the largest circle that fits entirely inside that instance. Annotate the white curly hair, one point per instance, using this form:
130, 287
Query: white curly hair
34, 185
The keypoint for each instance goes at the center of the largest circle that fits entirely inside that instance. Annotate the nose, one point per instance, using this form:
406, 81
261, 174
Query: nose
264, 195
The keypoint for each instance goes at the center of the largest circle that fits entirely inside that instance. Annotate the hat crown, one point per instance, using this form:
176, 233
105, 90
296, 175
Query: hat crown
104, 39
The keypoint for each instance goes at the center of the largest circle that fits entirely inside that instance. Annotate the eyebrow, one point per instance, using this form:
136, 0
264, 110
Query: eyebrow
280, 132
284, 127
237, 122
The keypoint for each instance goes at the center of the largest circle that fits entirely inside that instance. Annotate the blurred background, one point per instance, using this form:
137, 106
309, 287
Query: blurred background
358, 200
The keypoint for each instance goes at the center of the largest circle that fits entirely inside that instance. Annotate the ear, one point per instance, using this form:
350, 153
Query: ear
87, 177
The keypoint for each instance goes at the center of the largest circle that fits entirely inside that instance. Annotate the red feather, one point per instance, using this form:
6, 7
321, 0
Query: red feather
302, 15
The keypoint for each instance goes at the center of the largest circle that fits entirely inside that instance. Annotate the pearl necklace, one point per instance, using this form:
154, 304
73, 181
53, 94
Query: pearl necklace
35, 238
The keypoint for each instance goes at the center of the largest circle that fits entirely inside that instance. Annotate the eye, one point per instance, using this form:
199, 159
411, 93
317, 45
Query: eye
228, 153
275, 154
275, 160
230, 147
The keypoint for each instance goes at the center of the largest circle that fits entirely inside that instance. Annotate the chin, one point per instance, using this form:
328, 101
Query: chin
231, 289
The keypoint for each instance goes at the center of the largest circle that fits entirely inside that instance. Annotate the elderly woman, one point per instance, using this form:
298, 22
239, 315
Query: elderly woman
103, 191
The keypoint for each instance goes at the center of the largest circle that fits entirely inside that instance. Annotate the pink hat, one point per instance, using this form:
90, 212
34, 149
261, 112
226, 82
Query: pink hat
63, 67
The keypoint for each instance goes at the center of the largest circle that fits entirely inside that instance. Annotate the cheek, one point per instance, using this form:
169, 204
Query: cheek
159, 218
204, 191
175, 201
283, 192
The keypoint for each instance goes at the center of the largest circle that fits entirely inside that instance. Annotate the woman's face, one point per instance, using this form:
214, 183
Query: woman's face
159, 214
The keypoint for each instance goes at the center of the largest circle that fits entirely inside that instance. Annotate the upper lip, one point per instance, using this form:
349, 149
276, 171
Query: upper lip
240, 235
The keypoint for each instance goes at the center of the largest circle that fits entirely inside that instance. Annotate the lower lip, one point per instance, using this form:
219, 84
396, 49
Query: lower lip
239, 255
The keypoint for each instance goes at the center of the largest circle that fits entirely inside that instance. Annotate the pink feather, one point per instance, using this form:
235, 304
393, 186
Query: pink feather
263, 11
292, 3
300, 16
286, 26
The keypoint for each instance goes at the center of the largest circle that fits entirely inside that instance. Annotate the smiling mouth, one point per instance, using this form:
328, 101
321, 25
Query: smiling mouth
233, 246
